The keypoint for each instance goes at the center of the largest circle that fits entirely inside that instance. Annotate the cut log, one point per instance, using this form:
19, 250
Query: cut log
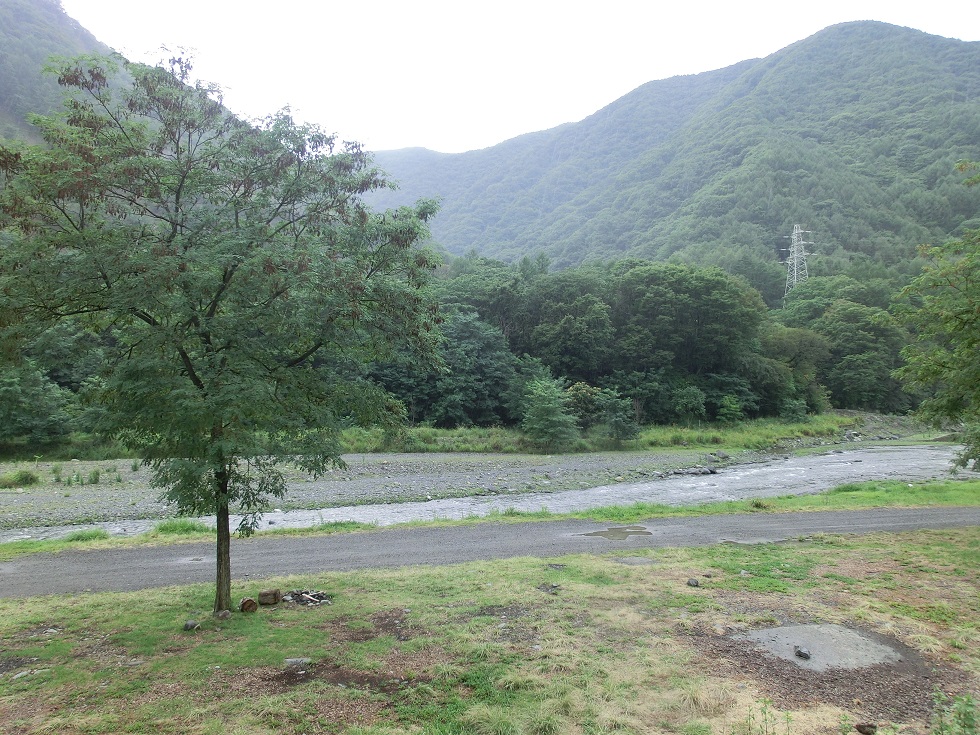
270, 597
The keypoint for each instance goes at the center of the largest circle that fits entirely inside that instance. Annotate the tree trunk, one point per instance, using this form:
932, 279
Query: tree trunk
222, 586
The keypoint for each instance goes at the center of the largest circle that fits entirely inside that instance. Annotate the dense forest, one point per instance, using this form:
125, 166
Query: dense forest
618, 345
627, 269
679, 342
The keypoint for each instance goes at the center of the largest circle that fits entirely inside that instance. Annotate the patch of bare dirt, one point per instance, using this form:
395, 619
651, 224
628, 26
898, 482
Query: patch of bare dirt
398, 671
857, 568
28, 715
510, 612
350, 712
166, 691
265, 680
392, 623
896, 692
13, 663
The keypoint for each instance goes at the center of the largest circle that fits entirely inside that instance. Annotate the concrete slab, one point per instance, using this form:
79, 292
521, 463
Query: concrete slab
830, 646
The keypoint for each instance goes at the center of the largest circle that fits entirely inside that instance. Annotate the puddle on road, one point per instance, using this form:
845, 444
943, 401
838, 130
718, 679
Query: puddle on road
620, 533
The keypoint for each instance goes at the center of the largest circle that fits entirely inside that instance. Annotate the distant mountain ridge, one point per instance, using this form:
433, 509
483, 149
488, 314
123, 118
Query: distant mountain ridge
853, 132
31, 31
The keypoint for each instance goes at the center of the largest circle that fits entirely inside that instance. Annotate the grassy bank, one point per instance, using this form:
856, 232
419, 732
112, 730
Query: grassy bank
758, 435
580, 644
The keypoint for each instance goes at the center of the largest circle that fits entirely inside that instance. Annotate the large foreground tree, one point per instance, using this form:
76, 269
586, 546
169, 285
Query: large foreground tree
235, 267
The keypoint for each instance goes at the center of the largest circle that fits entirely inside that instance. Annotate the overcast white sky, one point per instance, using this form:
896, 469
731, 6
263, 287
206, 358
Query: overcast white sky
456, 75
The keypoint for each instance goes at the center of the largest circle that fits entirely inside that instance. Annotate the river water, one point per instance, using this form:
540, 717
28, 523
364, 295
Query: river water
789, 475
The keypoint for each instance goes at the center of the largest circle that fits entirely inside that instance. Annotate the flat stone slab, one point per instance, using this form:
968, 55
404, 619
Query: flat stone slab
635, 561
830, 646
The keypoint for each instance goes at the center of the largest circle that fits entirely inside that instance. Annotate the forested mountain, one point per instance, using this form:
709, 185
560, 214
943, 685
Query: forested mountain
853, 132
31, 31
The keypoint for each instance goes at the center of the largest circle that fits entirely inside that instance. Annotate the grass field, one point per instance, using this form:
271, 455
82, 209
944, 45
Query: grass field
580, 644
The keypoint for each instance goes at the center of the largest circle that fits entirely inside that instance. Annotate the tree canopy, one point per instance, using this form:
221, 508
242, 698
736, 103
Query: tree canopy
235, 268
944, 309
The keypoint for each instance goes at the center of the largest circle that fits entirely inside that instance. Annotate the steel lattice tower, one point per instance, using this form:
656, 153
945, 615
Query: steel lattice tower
796, 260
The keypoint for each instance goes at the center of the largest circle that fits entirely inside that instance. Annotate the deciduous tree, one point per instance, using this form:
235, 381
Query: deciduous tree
241, 274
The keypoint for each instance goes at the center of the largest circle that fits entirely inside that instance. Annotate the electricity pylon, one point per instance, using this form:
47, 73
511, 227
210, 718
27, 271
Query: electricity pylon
796, 260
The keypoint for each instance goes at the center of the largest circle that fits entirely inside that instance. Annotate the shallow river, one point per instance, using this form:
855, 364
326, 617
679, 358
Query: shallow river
785, 476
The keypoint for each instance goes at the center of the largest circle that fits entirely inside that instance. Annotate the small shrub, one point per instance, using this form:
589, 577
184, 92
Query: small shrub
20, 478
181, 527
93, 477
956, 717
794, 411
88, 534
730, 410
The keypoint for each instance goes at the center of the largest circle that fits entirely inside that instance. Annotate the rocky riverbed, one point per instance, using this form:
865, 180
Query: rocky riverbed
67, 496
118, 495
395, 500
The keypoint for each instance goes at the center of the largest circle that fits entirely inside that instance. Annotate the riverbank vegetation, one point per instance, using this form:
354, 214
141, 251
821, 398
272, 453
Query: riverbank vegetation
760, 434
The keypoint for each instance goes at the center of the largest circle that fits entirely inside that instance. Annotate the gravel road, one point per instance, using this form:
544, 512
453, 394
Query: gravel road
102, 570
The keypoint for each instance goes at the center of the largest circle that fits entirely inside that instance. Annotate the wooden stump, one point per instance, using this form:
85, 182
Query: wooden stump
248, 605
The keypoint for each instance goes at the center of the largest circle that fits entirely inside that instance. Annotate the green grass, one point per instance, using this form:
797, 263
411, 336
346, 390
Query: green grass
325, 528
754, 435
181, 527
758, 434
422, 439
19, 478
480, 648
74, 446
875, 494
86, 535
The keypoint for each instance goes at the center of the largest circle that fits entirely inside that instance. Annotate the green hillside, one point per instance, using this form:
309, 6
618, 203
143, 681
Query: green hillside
853, 132
31, 31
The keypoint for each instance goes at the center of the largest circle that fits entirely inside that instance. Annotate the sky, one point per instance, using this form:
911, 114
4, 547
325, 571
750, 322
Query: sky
457, 75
